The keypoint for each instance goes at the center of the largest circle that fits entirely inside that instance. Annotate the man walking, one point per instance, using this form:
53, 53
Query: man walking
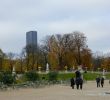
79, 80
102, 81
98, 81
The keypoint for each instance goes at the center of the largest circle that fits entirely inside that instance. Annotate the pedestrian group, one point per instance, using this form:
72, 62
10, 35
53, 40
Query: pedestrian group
78, 81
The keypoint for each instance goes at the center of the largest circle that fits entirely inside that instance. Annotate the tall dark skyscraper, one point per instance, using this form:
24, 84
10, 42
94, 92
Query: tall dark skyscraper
31, 42
31, 38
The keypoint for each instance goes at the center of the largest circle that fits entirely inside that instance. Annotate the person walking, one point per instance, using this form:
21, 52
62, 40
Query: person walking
72, 82
79, 83
98, 81
102, 81
79, 80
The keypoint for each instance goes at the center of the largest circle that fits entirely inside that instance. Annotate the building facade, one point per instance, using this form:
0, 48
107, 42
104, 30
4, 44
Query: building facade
31, 38
31, 42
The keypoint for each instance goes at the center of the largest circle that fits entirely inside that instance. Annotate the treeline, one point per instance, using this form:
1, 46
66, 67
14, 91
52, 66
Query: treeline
59, 51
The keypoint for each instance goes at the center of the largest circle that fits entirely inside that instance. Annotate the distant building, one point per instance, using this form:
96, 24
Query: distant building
31, 42
31, 38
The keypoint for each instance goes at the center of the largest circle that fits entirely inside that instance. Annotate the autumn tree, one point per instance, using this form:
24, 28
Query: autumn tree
106, 62
86, 56
20, 61
66, 49
48, 50
11, 60
1, 59
31, 56
79, 41
97, 60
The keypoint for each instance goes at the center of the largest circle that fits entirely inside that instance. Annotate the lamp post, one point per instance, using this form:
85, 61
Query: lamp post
86, 70
98, 70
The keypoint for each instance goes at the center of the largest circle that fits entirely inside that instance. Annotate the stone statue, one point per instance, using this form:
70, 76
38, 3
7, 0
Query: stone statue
47, 67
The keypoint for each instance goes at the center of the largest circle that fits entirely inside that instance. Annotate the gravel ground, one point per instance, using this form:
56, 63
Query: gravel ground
59, 92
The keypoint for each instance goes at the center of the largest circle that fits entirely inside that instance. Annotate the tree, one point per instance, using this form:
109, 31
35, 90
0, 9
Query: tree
47, 52
64, 50
56, 48
20, 61
106, 62
79, 40
86, 58
11, 56
1, 59
97, 60
31, 56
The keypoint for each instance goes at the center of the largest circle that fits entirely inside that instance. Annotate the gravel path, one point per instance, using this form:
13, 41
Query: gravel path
59, 92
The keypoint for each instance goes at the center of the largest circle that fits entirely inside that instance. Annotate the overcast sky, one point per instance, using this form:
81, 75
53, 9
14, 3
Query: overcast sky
92, 17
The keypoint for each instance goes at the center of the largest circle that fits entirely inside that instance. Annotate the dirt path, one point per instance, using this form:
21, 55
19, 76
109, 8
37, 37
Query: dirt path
59, 92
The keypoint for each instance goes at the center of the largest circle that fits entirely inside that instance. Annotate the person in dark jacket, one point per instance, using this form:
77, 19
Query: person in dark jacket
102, 81
79, 80
78, 74
79, 83
72, 82
98, 81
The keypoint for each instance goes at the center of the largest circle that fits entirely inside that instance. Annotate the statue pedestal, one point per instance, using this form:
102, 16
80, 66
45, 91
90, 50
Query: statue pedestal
39, 69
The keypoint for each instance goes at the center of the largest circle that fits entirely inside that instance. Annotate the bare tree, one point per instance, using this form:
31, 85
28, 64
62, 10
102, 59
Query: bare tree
79, 41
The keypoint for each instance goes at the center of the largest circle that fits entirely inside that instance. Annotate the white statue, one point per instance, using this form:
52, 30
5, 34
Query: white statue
13, 71
47, 67
103, 72
73, 68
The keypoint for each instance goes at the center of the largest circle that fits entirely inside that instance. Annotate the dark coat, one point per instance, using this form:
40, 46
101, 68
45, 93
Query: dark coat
79, 81
102, 80
72, 81
97, 79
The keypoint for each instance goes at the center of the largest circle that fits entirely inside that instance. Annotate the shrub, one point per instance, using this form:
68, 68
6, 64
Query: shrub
52, 76
1, 76
8, 78
32, 76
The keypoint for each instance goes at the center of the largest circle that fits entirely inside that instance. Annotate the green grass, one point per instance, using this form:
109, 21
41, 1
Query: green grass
67, 76
90, 76
108, 76
64, 76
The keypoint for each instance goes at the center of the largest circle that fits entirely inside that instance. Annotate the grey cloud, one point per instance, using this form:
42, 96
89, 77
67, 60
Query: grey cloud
52, 16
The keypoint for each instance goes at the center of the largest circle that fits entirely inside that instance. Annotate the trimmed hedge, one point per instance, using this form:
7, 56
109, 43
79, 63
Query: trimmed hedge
53, 76
7, 78
31, 76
